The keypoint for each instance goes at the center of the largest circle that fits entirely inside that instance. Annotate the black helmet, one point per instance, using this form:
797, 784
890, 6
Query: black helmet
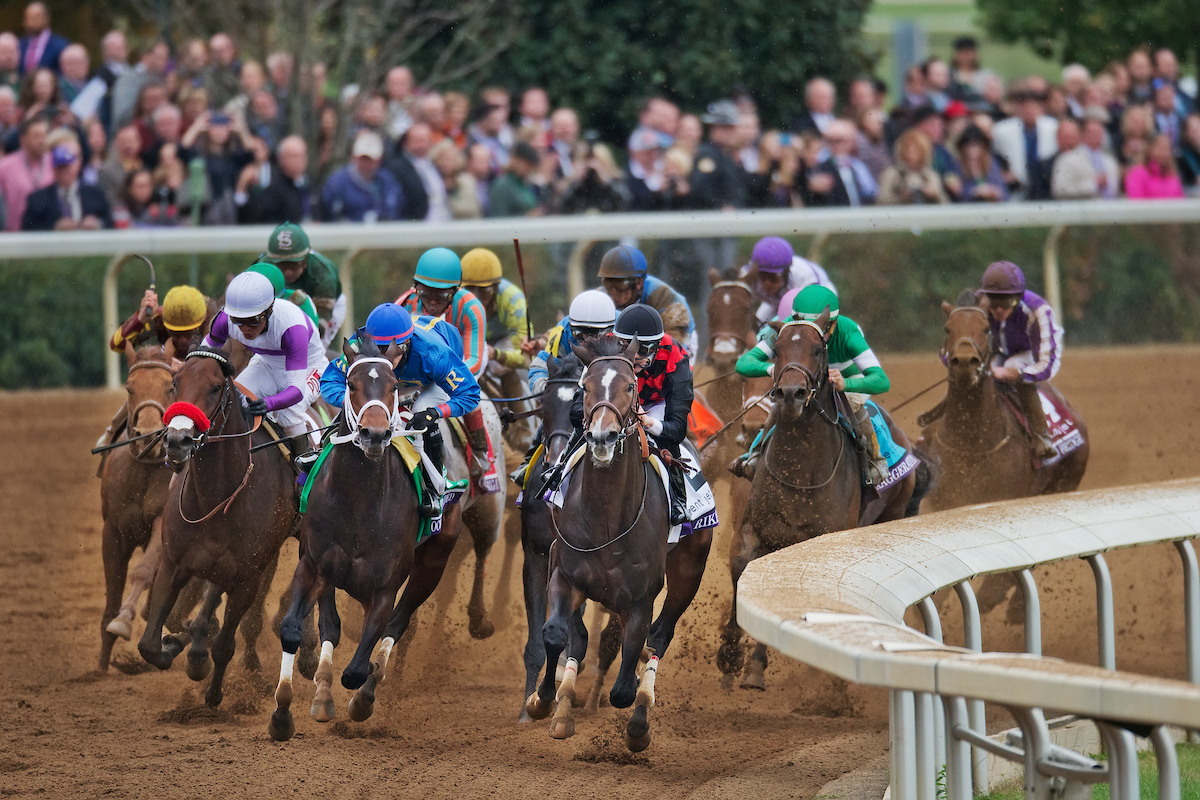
639, 321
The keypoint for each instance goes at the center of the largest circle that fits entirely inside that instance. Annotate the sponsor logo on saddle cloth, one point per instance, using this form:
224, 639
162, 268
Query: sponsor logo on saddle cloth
701, 504
1064, 433
900, 462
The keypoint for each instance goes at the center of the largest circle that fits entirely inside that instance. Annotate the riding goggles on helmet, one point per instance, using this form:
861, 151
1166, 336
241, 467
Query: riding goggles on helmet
249, 322
436, 295
581, 332
1003, 300
646, 349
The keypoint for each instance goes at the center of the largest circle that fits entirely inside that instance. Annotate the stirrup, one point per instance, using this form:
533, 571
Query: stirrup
1043, 447
431, 502
304, 461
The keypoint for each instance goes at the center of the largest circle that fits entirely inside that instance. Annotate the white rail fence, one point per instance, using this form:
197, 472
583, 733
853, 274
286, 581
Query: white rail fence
838, 603
354, 239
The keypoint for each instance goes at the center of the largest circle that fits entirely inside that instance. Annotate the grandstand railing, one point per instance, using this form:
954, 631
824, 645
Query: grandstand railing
353, 239
838, 602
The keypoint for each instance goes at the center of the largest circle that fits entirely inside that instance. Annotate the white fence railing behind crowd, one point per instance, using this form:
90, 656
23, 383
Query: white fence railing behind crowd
356, 238
838, 602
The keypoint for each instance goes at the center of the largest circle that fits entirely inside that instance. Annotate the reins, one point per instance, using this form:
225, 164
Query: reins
641, 508
223, 507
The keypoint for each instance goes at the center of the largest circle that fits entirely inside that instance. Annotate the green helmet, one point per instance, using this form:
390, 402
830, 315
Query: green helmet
439, 268
272, 273
288, 242
812, 301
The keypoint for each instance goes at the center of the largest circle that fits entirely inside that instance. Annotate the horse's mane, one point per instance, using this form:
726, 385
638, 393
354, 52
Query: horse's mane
966, 298
607, 345
368, 349
149, 351
568, 366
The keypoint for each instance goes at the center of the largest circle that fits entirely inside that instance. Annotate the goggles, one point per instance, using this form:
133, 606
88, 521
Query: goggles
384, 344
436, 295
645, 349
249, 322
1003, 300
581, 332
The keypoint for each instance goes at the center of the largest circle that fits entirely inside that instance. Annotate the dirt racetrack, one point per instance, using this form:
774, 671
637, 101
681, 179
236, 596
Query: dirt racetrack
445, 724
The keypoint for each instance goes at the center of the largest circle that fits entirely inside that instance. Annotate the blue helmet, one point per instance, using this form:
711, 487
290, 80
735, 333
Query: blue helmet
623, 262
388, 323
439, 268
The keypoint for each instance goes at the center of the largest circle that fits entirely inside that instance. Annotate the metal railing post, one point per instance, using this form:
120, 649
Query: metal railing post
346, 276
1191, 607
1035, 738
1050, 270
1033, 612
1168, 763
1104, 612
958, 752
112, 361
973, 639
926, 760
903, 752
817, 245
1124, 780
933, 629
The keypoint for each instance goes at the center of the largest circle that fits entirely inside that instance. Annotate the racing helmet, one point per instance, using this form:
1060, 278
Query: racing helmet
1003, 277
272, 273
623, 262
639, 321
439, 268
786, 304
388, 323
812, 301
594, 310
481, 267
248, 295
184, 309
772, 254
288, 242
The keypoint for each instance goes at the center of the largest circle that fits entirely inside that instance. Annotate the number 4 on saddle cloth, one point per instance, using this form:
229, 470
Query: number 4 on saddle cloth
701, 505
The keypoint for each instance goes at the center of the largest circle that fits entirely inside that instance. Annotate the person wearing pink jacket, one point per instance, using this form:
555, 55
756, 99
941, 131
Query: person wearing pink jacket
1156, 179
25, 171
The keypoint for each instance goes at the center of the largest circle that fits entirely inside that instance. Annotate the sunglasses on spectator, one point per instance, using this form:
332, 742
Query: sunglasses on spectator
249, 322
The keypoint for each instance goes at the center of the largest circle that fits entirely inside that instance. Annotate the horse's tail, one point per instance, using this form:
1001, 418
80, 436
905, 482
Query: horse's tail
928, 472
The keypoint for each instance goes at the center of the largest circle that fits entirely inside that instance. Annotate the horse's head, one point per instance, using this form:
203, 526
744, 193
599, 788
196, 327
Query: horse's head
731, 321
556, 403
610, 398
203, 388
371, 400
801, 364
149, 387
968, 343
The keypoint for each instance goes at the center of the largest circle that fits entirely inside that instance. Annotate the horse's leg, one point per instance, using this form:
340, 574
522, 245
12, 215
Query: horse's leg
483, 521
637, 732
754, 676
743, 550
429, 562
533, 577
238, 602
610, 648
322, 708
685, 570
188, 599
197, 657
555, 633
563, 724
155, 648
360, 674
252, 625
306, 652
115, 553
636, 624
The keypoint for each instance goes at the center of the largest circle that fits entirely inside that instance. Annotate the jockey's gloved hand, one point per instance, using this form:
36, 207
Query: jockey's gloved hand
424, 420
257, 408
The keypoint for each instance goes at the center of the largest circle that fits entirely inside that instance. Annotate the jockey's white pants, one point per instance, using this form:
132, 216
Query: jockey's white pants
1021, 361
431, 396
264, 379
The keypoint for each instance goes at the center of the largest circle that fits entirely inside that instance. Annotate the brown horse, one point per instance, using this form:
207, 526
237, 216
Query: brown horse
731, 329
809, 481
611, 548
985, 452
227, 513
359, 535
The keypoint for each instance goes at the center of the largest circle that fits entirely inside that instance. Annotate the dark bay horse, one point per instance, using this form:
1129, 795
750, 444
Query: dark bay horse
611, 548
227, 513
984, 451
809, 480
359, 535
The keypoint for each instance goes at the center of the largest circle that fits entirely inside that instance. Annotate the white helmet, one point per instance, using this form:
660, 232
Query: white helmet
248, 295
593, 309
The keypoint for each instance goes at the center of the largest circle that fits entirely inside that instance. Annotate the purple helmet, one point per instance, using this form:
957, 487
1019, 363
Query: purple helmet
1003, 277
772, 254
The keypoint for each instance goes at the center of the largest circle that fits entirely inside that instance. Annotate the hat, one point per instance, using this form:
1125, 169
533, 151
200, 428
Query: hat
922, 113
623, 261
220, 119
643, 140
772, 254
1159, 83
973, 133
722, 112
288, 242
184, 309
956, 109
368, 144
63, 156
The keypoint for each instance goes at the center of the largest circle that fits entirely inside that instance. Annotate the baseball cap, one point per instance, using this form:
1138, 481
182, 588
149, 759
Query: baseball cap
63, 155
722, 112
368, 144
220, 119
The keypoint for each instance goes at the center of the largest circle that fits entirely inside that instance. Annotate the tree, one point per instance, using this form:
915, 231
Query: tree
1095, 32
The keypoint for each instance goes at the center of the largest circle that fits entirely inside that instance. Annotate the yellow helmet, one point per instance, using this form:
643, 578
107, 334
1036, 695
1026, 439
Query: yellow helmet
184, 309
481, 267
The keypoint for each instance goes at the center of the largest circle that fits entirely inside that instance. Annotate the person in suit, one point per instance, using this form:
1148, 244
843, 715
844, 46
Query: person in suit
40, 47
67, 204
288, 193
819, 99
1026, 140
840, 179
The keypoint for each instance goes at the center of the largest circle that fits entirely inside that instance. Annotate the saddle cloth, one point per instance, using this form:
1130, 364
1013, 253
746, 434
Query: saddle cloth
701, 504
900, 461
1064, 431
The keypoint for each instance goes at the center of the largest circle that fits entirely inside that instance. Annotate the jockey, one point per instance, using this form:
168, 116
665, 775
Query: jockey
305, 270
299, 298
437, 292
853, 369
1027, 344
774, 269
623, 274
503, 303
284, 373
427, 361
592, 314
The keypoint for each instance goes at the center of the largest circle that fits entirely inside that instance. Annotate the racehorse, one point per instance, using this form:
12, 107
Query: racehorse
984, 450
731, 329
809, 480
359, 535
611, 547
227, 513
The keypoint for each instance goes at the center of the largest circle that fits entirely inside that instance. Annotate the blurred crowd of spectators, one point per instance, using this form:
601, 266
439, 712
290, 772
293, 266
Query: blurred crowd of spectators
201, 136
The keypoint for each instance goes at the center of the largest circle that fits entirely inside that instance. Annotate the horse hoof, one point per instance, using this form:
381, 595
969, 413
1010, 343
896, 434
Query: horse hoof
198, 669
281, 725
213, 699
753, 678
481, 630
536, 708
637, 733
361, 707
727, 683
120, 627
562, 728
323, 709
524, 717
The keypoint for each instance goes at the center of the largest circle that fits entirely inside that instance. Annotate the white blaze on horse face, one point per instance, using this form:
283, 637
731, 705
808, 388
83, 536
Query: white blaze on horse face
565, 393
725, 345
374, 374
795, 337
606, 382
725, 299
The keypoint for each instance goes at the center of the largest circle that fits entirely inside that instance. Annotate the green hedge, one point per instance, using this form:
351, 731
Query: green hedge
1122, 285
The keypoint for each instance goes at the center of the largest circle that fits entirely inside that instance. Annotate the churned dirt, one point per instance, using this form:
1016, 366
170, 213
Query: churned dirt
445, 722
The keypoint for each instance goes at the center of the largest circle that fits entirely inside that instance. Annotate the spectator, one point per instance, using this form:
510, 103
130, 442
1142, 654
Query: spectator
1056, 103
124, 158
690, 134
677, 169
221, 79
1075, 80
431, 109
10, 113
1166, 67
937, 83
872, 146
534, 111
1158, 177
462, 197
66, 204
327, 126
139, 206
770, 185
749, 132
193, 65
400, 164
841, 179
1137, 128
912, 179
279, 71
251, 79
193, 104
1189, 153
863, 96
1072, 176
933, 124
1066, 139
1141, 78
41, 47
97, 141
372, 116
399, 87
96, 97
655, 116
168, 128
966, 81
10, 61
598, 184
1167, 120
564, 133
479, 167
490, 122
645, 178
169, 190
1089, 159
510, 194
417, 143
819, 100
264, 119
127, 90
979, 173
39, 92
992, 97
915, 95
361, 191
1026, 139
717, 180
285, 196
74, 65
26, 170
211, 138
458, 108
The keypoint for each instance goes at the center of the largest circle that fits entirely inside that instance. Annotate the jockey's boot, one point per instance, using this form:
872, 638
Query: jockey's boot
678, 483
111, 433
745, 465
431, 497
932, 415
1031, 404
481, 465
518, 475
876, 466
554, 475
300, 446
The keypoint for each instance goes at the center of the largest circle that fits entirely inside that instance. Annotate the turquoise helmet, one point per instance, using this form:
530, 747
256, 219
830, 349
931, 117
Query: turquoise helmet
439, 268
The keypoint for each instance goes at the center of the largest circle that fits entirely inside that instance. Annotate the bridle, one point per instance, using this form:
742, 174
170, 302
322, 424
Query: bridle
627, 419
396, 422
713, 335
555, 382
985, 362
132, 415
